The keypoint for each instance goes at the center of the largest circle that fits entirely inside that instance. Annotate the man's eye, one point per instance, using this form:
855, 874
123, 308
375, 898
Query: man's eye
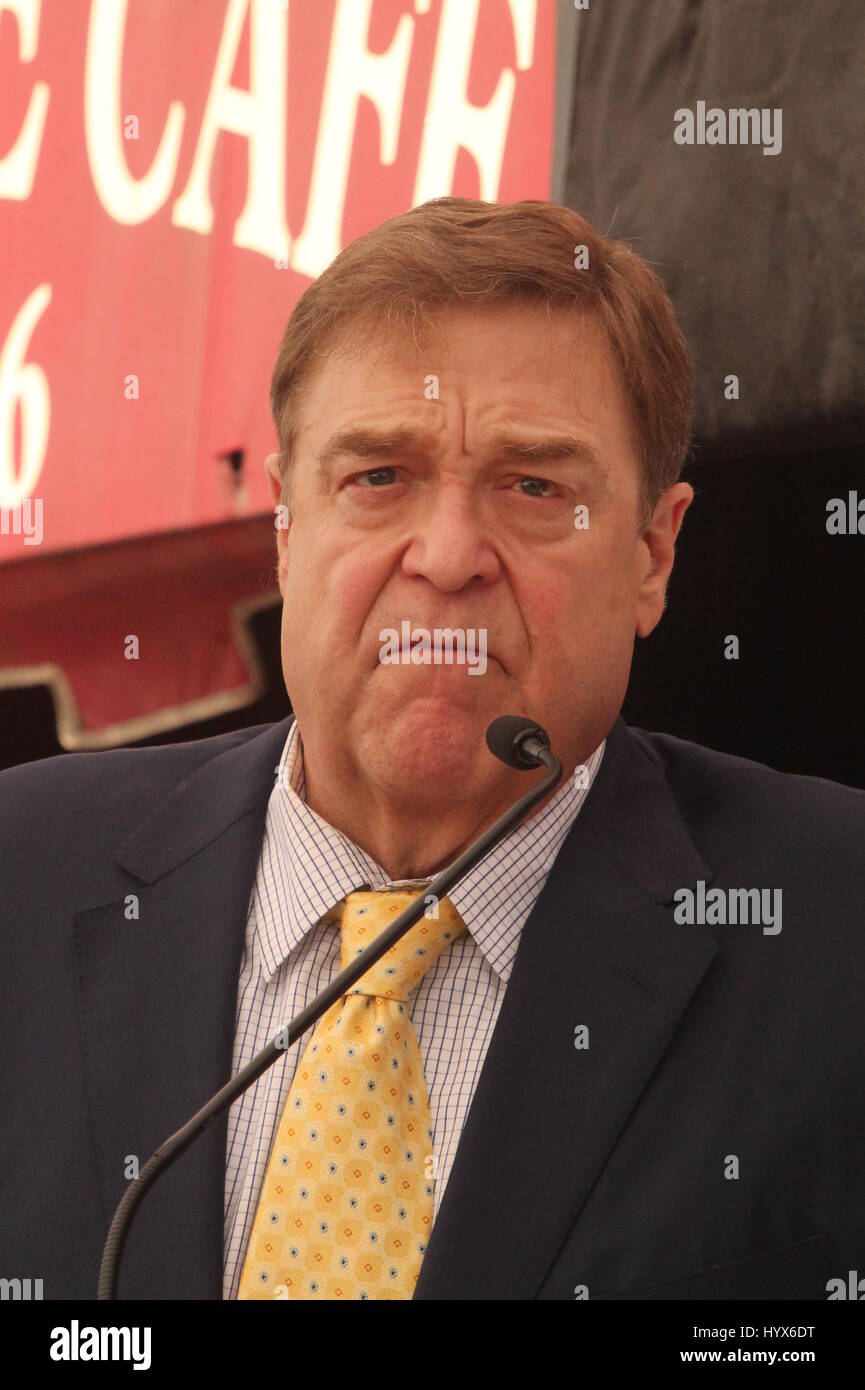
374, 473
535, 483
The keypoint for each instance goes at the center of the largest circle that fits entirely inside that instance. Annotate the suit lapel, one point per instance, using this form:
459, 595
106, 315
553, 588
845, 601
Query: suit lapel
158, 999
599, 950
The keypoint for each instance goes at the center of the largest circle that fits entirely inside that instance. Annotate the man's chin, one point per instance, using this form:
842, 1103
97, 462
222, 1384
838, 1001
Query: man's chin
433, 737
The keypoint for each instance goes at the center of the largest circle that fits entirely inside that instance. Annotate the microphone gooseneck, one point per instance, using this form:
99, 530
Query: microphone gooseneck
516, 741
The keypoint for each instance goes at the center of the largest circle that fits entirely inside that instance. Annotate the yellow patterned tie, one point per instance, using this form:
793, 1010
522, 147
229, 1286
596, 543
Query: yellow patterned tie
346, 1206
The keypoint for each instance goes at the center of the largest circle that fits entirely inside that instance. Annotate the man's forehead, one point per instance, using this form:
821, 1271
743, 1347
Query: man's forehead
373, 367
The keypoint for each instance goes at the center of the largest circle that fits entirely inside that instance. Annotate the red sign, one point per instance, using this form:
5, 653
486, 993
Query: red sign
173, 173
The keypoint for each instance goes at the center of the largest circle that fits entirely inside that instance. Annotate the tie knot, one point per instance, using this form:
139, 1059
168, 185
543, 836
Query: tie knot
364, 917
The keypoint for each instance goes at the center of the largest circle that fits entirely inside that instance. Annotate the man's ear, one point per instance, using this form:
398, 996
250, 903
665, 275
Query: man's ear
271, 468
281, 518
657, 550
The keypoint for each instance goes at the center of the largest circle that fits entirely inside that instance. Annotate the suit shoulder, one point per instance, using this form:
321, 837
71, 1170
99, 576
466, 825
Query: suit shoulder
694, 763
78, 788
722, 789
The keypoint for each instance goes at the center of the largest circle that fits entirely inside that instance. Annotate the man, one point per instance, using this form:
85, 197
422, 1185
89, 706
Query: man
630, 1063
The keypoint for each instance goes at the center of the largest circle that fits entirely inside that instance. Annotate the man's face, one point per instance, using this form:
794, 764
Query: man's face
448, 528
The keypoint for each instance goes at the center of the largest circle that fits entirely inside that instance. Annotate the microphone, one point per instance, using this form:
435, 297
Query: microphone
514, 740
518, 742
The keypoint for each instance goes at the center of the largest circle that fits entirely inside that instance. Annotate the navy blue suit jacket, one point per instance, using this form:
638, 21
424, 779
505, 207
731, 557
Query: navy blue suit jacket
607, 1170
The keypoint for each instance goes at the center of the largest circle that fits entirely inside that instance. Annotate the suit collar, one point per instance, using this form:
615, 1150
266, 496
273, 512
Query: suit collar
203, 806
157, 997
637, 820
599, 951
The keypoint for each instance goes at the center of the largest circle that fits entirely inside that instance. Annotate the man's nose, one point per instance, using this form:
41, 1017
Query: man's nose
451, 543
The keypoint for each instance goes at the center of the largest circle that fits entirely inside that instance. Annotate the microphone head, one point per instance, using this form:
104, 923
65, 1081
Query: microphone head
506, 735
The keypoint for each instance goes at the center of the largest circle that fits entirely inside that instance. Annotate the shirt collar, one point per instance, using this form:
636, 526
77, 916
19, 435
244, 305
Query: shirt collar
310, 866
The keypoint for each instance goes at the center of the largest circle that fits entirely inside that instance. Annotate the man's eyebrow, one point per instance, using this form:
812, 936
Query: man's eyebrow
559, 448
364, 442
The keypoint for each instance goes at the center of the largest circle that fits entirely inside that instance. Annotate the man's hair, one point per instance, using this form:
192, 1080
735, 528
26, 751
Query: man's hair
457, 252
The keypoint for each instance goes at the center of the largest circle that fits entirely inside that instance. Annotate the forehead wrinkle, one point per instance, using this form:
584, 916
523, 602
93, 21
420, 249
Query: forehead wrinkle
368, 442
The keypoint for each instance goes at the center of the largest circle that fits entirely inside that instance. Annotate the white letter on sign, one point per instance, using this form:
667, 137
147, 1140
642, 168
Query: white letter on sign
18, 167
259, 114
352, 72
482, 130
126, 199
